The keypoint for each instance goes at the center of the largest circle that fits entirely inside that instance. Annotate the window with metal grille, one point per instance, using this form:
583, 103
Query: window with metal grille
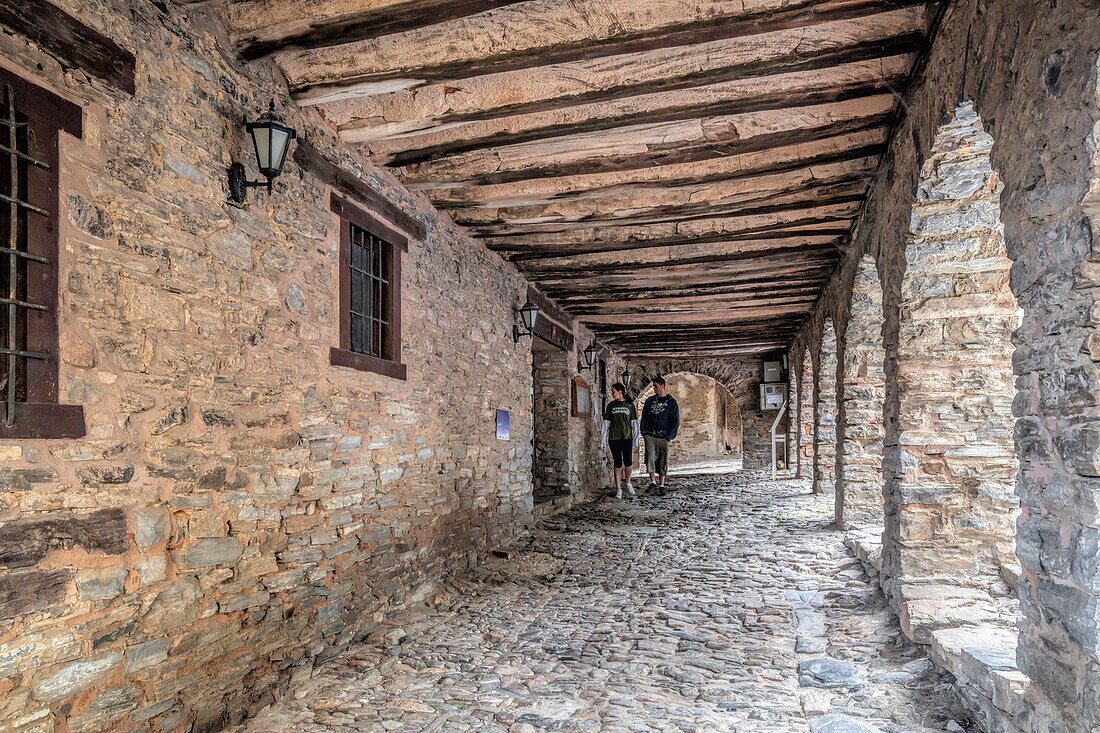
31, 120
370, 293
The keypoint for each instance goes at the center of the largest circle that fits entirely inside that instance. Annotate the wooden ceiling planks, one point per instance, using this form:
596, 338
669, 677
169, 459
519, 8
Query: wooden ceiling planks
680, 174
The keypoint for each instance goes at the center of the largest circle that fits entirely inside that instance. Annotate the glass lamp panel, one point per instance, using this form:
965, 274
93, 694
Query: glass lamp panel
261, 138
280, 140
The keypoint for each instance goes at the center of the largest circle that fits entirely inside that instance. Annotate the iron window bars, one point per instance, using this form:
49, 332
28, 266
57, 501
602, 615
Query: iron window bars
32, 120
17, 207
370, 294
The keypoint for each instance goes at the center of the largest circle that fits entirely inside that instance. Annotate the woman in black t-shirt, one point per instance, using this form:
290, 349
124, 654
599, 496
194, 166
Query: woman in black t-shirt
620, 433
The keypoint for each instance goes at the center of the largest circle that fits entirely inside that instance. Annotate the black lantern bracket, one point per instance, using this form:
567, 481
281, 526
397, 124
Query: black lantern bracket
589, 358
529, 313
239, 183
271, 140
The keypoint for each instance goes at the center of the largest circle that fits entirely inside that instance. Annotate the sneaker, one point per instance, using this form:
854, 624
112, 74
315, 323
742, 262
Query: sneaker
652, 485
630, 488
618, 493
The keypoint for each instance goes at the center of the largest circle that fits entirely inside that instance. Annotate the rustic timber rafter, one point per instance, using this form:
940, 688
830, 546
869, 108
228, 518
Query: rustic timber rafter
682, 175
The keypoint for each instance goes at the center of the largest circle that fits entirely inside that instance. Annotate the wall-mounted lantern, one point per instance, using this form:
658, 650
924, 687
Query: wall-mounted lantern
271, 139
589, 357
528, 313
627, 378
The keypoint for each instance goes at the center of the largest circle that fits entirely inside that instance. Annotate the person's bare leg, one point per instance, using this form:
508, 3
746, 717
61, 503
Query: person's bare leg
618, 476
627, 471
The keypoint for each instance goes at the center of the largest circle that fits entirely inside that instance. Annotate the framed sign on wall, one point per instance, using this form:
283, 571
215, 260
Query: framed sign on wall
504, 427
582, 398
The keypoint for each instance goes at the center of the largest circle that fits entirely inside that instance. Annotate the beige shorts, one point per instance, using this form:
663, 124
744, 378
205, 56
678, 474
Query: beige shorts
656, 455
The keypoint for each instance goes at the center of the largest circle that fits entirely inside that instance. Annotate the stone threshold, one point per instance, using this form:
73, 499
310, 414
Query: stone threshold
970, 636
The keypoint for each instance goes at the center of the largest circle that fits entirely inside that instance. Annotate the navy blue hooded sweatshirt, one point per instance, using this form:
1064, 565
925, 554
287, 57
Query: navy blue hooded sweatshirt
661, 417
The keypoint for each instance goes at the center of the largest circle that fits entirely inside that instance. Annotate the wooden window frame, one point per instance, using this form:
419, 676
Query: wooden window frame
48, 115
397, 243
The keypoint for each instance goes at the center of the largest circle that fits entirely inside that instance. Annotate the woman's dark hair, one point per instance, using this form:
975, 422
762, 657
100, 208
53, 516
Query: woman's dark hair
621, 387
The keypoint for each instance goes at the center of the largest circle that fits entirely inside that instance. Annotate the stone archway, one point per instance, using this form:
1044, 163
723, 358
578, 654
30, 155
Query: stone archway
710, 419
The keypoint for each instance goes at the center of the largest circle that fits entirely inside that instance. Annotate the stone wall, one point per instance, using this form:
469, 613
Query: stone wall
239, 509
1031, 70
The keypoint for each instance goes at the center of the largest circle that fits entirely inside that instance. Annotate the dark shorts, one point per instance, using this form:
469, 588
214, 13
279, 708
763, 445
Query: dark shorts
622, 451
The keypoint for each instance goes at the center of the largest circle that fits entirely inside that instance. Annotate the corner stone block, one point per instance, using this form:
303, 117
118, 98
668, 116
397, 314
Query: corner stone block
75, 677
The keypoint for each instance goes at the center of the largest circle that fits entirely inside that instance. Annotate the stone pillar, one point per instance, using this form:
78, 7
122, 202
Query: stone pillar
824, 458
805, 407
953, 480
859, 419
1048, 150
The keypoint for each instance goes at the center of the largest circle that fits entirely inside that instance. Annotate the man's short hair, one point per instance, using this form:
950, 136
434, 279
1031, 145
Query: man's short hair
659, 380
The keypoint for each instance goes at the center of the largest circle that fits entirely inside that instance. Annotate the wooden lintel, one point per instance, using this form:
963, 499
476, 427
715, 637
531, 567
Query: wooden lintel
548, 307
73, 43
312, 161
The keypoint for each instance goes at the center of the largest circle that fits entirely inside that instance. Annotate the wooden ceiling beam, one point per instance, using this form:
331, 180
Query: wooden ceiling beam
544, 32
647, 147
339, 22
658, 257
811, 193
598, 189
493, 96
602, 118
723, 229
828, 225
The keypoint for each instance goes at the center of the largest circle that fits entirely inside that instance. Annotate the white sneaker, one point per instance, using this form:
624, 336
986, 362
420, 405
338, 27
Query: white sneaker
618, 493
630, 488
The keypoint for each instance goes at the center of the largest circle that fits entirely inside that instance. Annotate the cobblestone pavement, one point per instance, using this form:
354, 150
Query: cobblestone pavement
726, 604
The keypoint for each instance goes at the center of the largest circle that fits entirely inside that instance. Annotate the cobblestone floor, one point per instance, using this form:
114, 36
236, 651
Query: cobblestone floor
727, 604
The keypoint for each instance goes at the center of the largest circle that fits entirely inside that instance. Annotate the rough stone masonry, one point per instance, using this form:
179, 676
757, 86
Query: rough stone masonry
239, 507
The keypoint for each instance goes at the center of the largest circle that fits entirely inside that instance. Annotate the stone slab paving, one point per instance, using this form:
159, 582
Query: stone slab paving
726, 604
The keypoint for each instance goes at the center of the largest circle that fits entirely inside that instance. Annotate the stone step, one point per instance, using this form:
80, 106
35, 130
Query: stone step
923, 609
983, 659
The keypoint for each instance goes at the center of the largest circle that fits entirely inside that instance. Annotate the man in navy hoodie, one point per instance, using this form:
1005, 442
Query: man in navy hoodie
660, 423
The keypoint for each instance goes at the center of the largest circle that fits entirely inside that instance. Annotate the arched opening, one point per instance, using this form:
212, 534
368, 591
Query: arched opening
825, 409
859, 419
951, 514
805, 407
710, 420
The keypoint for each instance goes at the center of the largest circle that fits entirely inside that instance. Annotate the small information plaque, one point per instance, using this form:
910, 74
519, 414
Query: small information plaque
503, 425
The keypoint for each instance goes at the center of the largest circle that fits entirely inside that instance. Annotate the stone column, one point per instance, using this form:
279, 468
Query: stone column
859, 419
